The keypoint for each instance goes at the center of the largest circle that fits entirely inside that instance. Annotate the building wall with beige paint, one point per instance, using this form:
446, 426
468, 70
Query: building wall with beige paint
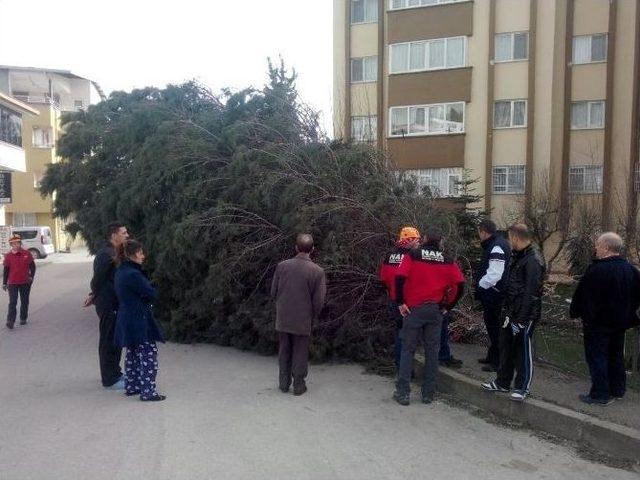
547, 132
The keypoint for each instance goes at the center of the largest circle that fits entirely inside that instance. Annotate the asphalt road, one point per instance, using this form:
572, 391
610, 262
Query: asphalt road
224, 418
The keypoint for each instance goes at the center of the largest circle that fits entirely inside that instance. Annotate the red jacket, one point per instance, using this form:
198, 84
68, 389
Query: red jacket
19, 268
389, 270
427, 276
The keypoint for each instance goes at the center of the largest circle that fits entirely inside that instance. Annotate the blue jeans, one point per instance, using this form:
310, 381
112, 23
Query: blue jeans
445, 351
394, 315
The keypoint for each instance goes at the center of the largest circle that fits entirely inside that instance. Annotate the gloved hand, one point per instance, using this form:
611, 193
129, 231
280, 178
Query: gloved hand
4, 287
516, 327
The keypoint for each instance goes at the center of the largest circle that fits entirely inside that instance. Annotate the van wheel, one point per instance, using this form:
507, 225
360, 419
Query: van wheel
34, 253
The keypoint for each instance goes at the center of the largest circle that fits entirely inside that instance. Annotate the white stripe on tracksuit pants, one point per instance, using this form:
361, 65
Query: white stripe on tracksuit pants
516, 356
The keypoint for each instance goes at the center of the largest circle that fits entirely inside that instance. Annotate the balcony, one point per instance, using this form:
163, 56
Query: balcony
47, 100
12, 158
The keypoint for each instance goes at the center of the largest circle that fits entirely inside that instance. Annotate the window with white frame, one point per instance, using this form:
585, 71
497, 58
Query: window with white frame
438, 182
589, 48
510, 114
364, 69
399, 4
585, 179
43, 137
364, 11
364, 128
508, 179
434, 54
37, 178
24, 219
432, 119
587, 115
511, 46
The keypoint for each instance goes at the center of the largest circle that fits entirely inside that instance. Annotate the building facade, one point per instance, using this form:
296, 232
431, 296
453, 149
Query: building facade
529, 97
50, 93
13, 113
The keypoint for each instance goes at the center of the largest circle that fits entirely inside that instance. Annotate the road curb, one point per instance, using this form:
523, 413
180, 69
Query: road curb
614, 440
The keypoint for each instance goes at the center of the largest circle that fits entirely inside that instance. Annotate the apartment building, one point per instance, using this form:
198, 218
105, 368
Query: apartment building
50, 93
526, 96
12, 155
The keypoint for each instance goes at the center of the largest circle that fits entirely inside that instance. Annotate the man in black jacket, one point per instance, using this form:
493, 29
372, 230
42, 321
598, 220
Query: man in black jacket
103, 296
523, 305
491, 282
606, 300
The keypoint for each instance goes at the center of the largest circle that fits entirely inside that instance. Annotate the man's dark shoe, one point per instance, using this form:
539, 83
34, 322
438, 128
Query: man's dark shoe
489, 368
589, 400
10, 325
299, 389
402, 398
427, 399
451, 363
484, 361
284, 389
23, 322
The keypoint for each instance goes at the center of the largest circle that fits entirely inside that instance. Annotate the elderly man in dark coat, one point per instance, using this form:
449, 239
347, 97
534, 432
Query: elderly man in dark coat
606, 300
299, 288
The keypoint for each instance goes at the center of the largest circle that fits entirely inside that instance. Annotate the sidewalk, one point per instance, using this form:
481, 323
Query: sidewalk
553, 406
557, 387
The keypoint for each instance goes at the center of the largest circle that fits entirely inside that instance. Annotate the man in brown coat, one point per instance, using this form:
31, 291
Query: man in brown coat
299, 288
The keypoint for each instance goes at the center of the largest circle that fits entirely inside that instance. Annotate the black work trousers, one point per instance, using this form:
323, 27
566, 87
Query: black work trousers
423, 323
491, 312
293, 359
516, 354
604, 352
24, 292
108, 353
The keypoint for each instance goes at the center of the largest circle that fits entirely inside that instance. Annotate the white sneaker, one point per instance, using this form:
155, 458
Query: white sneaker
494, 387
518, 396
119, 385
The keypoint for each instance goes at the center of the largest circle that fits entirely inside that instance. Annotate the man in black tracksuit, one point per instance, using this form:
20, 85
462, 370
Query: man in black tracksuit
103, 296
490, 288
606, 300
523, 305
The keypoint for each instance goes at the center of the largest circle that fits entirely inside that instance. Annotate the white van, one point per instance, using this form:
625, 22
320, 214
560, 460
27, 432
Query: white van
37, 240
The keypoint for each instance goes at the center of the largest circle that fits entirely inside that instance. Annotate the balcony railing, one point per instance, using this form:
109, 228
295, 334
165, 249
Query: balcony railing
46, 100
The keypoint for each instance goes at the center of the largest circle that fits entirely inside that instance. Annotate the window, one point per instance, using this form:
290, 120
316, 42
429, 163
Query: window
428, 55
585, 179
78, 104
364, 69
43, 137
589, 48
364, 11
510, 114
364, 129
10, 127
25, 220
37, 178
398, 4
511, 46
508, 179
438, 182
427, 119
586, 115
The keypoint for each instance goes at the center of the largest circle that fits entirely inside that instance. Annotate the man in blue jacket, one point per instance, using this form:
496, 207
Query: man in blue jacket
103, 297
607, 299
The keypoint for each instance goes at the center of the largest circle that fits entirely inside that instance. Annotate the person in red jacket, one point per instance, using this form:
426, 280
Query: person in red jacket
426, 283
409, 239
19, 271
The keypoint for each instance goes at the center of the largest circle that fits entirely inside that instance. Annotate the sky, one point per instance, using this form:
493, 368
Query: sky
126, 44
